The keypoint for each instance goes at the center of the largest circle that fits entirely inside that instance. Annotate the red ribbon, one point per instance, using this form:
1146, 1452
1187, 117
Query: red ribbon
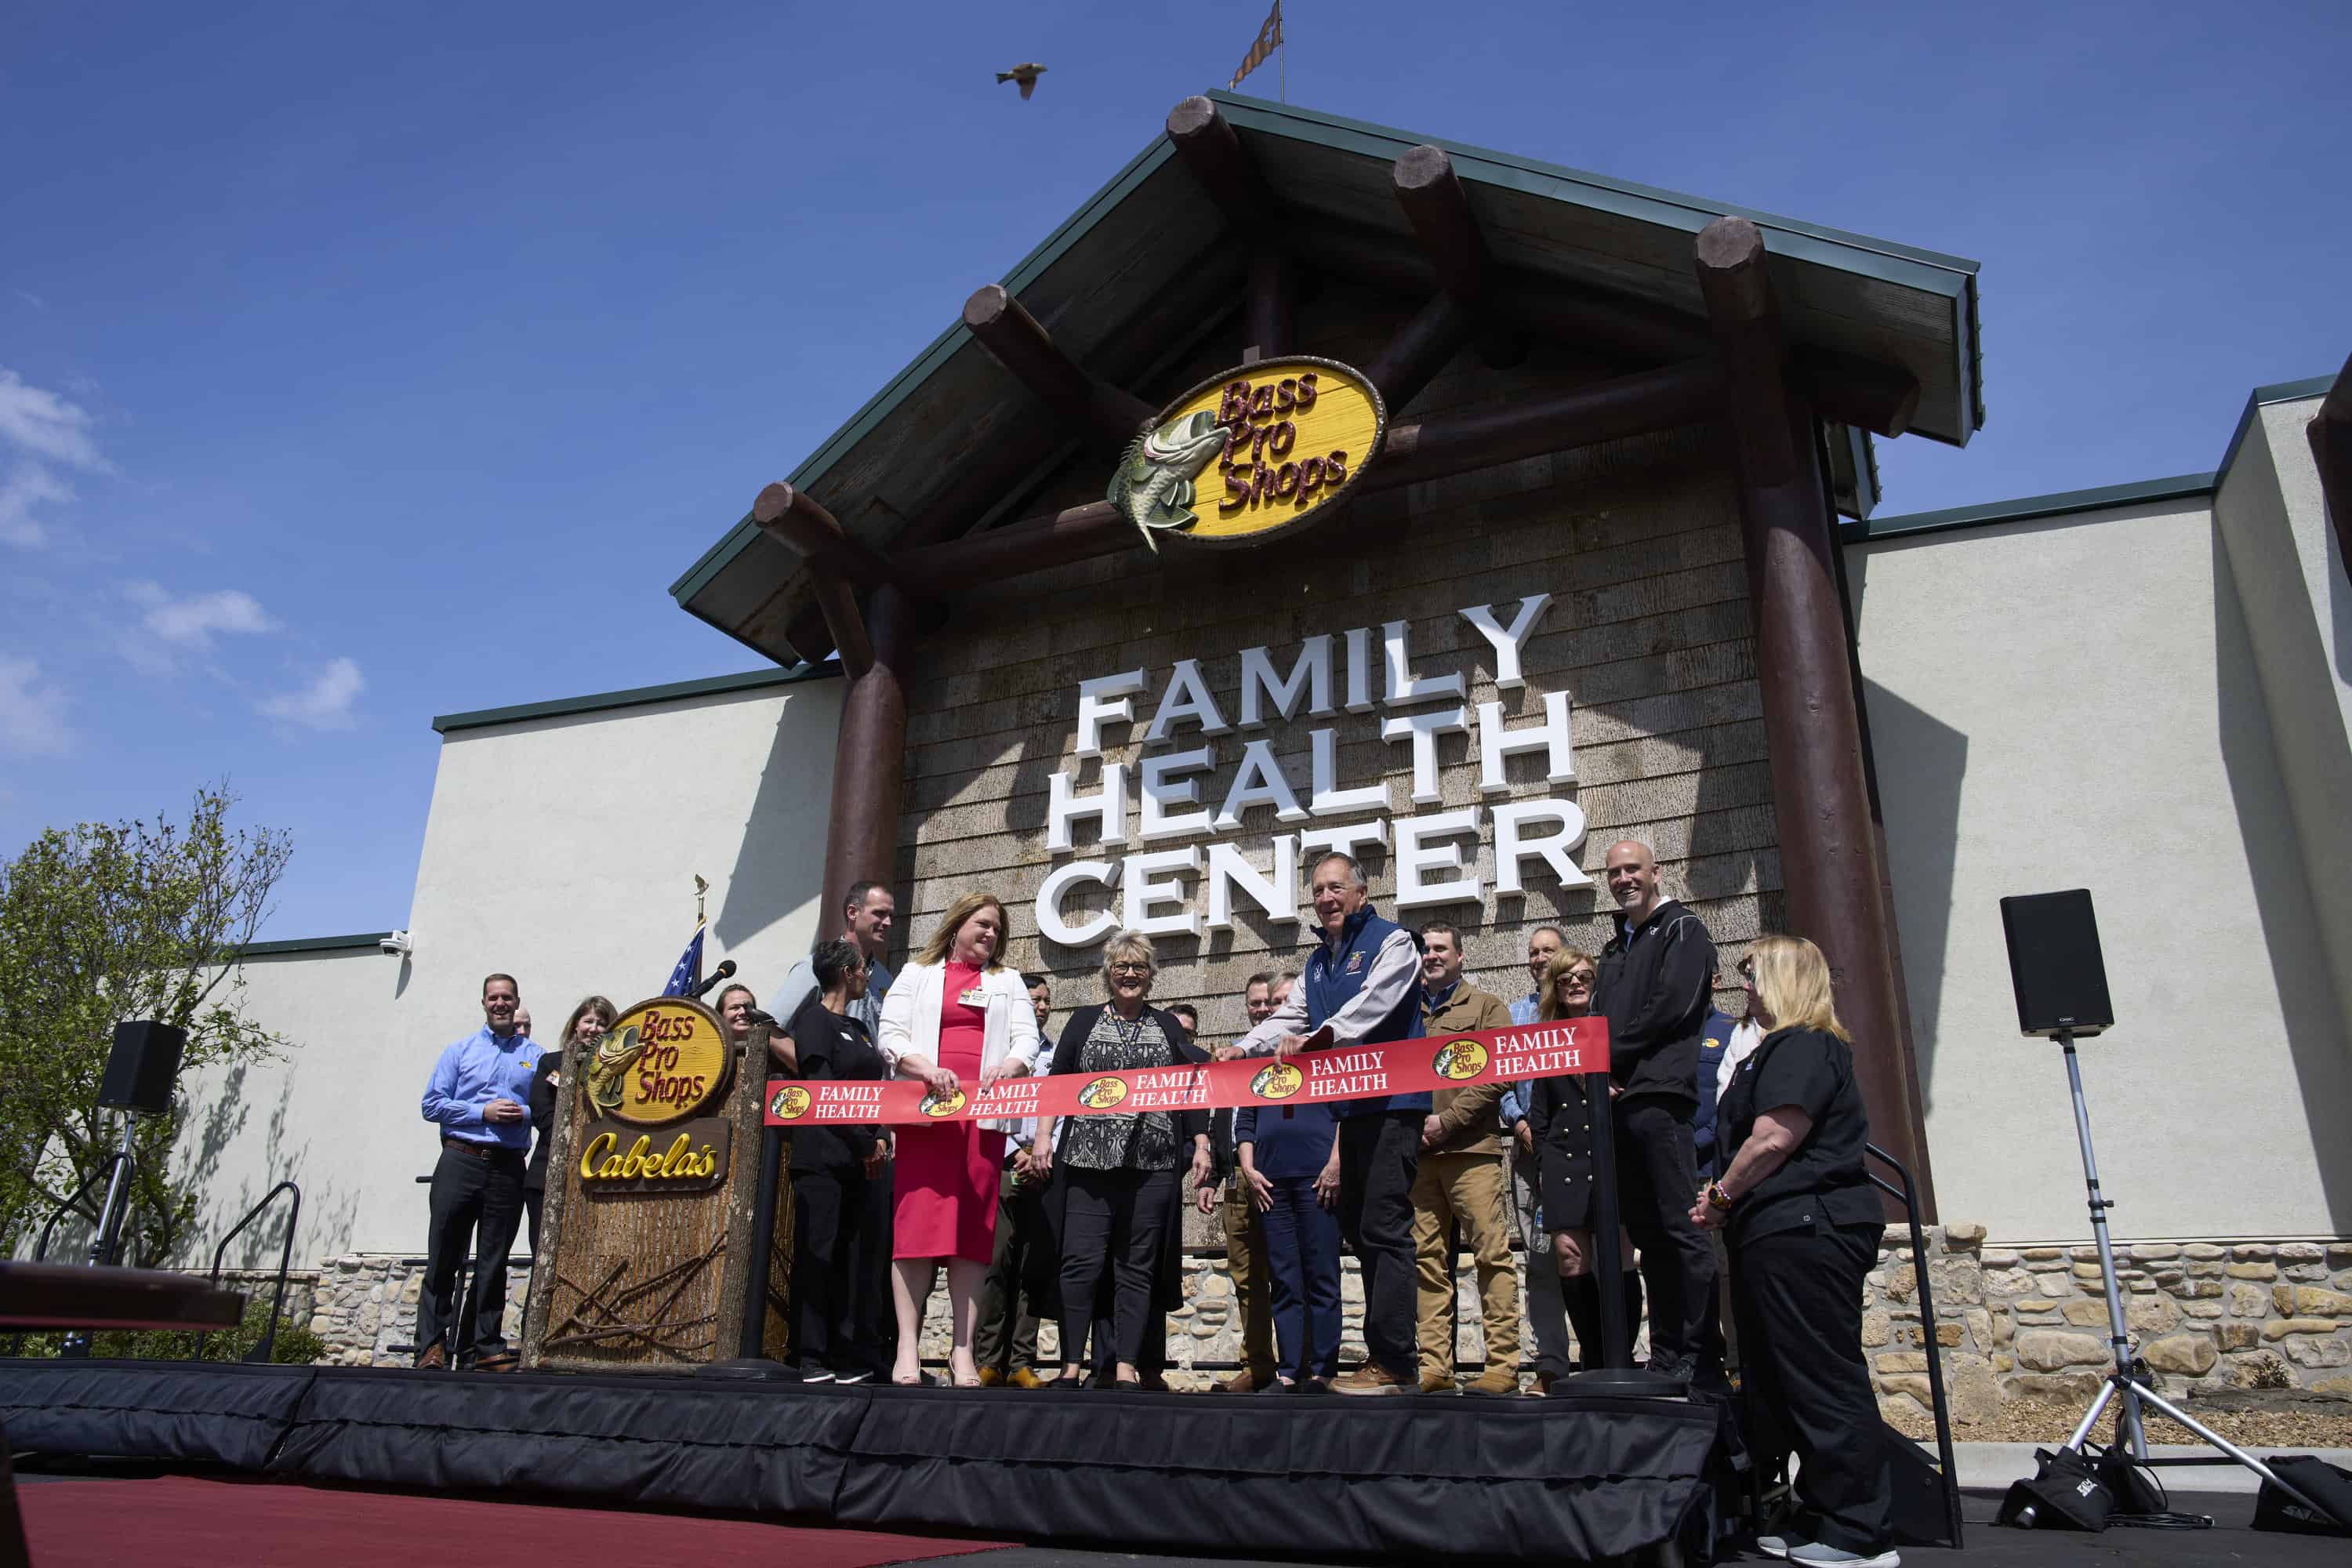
1351, 1072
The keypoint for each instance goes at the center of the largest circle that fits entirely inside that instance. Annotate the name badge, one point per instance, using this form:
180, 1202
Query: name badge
974, 997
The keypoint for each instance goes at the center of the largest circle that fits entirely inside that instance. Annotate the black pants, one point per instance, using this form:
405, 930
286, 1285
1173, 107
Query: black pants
1656, 1182
1797, 1301
833, 1241
877, 1313
534, 1202
1379, 1157
1007, 1332
477, 1197
1115, 1221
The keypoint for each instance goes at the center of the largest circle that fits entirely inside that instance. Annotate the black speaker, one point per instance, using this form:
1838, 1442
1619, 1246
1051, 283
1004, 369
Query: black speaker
2054, 963
141, 1068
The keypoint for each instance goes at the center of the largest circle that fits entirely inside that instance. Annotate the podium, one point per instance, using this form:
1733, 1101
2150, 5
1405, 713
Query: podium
652, 1182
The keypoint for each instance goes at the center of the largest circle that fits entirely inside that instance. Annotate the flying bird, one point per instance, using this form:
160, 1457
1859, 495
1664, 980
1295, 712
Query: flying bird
1027, 73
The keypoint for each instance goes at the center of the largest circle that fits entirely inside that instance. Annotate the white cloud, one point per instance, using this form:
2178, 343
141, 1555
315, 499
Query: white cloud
30, 484
32, 717
326, 703
45, 425
190, 623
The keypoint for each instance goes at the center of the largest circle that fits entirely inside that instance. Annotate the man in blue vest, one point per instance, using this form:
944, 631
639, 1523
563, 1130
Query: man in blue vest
1363, 988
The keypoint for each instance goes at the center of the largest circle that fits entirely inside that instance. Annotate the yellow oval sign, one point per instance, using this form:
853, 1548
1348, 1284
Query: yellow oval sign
1276, 1080
660, 1062
1458, 1059
1258, 451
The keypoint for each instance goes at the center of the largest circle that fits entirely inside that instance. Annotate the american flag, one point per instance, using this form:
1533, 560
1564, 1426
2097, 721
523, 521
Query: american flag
685, 978
1269, 39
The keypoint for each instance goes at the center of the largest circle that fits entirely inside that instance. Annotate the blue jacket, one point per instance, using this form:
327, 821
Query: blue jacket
1712, 1041
1335, 974
1291, 1140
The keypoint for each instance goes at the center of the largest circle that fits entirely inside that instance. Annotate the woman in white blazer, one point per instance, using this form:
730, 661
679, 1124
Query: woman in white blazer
956, 1021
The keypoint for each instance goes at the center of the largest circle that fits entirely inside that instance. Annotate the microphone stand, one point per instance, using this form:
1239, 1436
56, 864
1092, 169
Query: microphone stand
1616, 1375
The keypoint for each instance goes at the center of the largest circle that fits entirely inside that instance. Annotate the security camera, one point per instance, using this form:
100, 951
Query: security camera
395, 945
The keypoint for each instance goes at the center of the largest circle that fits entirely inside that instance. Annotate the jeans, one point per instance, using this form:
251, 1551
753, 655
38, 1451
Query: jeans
1378, 1157
476, 1195
1302, 1253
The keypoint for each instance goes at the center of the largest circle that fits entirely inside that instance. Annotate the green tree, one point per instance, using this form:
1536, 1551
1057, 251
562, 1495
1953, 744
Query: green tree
103, 923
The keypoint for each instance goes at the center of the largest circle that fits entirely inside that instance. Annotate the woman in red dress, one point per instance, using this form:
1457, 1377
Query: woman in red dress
956, 1020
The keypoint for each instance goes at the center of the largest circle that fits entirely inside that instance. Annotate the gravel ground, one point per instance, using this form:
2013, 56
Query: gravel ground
2297, 1423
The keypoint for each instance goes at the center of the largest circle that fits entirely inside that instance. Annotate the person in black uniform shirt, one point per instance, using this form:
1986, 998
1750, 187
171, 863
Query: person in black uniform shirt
833, 1236
1119, 1173
1657, 988
1803, 1224
588, 1021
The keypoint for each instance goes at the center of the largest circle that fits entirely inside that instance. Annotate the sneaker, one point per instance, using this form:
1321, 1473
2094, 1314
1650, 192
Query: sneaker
855, 1375
1779, 1545
1023, 1377
989, 1377
1438, 1383
1819, 1555
1496, 1380
1371, 1378
815, 1375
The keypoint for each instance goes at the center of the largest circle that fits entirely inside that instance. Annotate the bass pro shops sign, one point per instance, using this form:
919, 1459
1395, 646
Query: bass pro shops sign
1204, 758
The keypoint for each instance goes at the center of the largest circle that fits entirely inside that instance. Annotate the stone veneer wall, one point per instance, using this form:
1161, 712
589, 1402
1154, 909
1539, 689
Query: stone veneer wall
2011, 1324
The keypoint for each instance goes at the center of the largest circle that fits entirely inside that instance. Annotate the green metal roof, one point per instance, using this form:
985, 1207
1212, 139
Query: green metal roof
1896, 302
2026, 508
748, 681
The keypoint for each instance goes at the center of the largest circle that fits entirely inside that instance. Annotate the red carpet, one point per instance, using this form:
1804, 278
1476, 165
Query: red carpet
184, 1522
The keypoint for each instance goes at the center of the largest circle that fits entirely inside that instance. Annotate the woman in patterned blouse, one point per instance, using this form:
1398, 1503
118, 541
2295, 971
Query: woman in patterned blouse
1119, 1171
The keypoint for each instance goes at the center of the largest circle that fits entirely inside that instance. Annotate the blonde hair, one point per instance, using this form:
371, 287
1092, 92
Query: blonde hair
1128, 943
1566, 959
1793, 981
936, 950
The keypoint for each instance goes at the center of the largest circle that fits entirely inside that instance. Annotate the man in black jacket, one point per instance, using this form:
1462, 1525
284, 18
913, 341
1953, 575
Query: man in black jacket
1656, 988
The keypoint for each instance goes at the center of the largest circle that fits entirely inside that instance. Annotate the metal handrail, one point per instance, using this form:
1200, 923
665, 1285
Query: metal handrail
1907, 1194
269, 1344
41, 1249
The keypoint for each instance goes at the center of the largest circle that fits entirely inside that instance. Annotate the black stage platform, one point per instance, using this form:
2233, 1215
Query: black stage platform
1308, 1476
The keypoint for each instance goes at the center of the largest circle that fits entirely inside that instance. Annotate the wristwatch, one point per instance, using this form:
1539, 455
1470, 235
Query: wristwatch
1716, 1198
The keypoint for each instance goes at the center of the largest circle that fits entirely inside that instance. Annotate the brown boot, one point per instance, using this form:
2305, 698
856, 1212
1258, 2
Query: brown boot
1437, 1382
1495, 1379
436, 1358
1371, 1378
989, 1377
503, 1360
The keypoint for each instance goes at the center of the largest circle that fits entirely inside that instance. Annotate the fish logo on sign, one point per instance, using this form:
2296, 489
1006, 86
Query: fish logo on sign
1459, 1059
1103, 1094
934, 1106
1278, 1080
792, 1103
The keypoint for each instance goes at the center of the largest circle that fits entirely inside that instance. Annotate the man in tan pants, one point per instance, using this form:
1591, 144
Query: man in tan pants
1245, 1258
1463, 1179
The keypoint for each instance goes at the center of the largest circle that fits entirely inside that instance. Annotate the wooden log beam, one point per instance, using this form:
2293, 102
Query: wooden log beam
1829, 845
861, 838
1867, 394
802, 525
1212, 149
1428, 449
1420, 348
2330, 434
1434, 202
1013, 338
1273, 295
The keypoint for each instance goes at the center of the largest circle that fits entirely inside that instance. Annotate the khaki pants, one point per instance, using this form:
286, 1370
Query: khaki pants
1253, 1280
1468, 1190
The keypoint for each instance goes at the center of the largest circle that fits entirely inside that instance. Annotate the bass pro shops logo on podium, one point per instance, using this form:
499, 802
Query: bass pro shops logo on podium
1103, 1094
1256, 452
661, 1062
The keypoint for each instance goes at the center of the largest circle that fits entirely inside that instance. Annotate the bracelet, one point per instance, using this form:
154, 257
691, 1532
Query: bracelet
1716, 1198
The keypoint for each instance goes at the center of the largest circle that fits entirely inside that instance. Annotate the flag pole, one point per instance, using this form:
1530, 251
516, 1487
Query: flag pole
700, 888
1282, 63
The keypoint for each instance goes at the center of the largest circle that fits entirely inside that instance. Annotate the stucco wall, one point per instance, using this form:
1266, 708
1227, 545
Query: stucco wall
2073, 702
1648, 632
561, 850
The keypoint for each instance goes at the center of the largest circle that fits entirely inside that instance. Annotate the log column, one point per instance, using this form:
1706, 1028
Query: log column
870, 759
1829, 845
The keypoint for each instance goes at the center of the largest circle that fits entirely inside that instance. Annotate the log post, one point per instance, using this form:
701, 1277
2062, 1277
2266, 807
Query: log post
1829, 845
806, 528
1212, 150
1015, 340
869, 758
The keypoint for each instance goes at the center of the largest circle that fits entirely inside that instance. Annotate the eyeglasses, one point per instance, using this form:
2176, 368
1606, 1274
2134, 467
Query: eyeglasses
1130, 967
1747, 972
1578, 977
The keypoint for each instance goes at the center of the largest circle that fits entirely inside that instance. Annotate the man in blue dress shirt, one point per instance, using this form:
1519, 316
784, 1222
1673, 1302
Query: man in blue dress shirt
478, 1095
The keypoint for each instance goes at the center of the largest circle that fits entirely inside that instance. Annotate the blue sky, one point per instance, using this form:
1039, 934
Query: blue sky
363, 362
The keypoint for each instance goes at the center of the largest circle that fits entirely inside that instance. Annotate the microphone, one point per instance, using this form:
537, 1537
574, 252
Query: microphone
726, 970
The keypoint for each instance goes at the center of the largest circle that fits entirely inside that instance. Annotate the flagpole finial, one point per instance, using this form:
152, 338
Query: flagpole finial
700, 888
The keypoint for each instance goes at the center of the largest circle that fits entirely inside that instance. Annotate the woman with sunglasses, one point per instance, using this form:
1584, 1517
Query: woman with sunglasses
1561, 1115
1805, 1223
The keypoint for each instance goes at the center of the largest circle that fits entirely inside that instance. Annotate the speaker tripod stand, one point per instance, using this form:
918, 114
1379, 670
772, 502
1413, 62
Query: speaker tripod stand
2129, 1387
